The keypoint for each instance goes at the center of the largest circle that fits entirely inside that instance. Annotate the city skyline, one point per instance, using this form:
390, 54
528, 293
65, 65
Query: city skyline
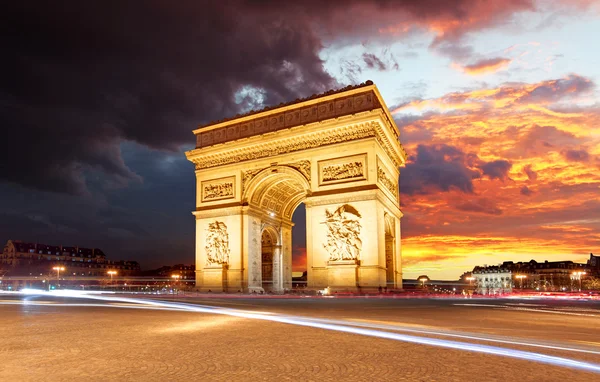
497, 107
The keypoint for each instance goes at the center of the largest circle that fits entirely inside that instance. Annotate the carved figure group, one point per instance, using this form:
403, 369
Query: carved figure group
343, 242
382, 177
217, 244
212, 191
342, 171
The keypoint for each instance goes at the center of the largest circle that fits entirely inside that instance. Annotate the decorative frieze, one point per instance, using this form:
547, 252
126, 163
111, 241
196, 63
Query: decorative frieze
343, 233
218, 189
217, 244
346, 169
386, 181
283, 146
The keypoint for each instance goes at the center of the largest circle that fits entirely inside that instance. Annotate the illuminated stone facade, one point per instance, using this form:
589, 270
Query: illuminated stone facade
339, 154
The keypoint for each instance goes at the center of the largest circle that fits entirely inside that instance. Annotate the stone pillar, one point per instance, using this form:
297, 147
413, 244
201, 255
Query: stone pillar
277, 269
253, 258
342, 275
286, 257
215, 278
398, 254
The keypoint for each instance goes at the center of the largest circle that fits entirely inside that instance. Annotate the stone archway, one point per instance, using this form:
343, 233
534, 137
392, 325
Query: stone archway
337, 153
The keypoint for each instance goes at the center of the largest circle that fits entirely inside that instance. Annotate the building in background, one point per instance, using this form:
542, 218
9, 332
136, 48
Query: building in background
493, 280
546, 276
181, 273
20, 258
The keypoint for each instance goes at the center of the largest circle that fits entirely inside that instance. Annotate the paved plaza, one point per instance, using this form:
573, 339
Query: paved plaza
66, 339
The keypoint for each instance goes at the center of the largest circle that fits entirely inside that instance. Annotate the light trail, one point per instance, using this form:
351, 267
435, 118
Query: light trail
338, 327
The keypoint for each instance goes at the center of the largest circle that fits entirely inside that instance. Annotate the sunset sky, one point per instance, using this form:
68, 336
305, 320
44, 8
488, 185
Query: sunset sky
497, 104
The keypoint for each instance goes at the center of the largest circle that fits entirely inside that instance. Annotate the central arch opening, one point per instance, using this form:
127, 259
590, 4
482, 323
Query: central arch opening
273, 195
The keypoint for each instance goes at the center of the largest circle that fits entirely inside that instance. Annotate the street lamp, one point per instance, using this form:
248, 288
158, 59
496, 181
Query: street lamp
58, 269
111, 273
521, 277
470, 278
422, 280
578, 276
176, 278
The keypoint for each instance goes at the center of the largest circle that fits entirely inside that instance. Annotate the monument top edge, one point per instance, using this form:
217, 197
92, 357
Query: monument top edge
292, 104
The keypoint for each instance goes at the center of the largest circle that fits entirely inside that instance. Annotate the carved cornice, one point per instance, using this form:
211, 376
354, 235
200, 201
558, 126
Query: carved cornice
360, 196
388, 146
287, 145
348, 102
217, 211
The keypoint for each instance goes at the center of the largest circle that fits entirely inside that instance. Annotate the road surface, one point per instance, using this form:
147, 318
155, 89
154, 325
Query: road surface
138, 338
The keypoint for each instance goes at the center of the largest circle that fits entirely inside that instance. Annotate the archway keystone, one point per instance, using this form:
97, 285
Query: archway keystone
339, 154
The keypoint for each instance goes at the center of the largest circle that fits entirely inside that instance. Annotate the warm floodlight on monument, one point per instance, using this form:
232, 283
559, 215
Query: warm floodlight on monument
339, 154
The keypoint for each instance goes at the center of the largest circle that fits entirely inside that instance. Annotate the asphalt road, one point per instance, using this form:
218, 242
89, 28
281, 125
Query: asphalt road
118, 338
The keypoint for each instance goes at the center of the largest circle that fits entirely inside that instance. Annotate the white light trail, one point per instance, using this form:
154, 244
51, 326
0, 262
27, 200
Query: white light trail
342, 326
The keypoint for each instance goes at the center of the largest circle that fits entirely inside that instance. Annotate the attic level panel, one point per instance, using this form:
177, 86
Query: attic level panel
272, 121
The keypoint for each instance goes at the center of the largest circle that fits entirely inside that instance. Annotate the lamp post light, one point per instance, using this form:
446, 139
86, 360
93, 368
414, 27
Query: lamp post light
176, 278
470, 278
578, 276
111, 273
423, 280
521, 277
58, 269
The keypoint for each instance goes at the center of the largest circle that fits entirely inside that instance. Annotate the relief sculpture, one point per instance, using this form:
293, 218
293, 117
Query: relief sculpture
217, 191
343, 242
217, 244
383, 179
343, 171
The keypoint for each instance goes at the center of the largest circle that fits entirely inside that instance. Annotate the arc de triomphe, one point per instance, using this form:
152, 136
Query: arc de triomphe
339, 154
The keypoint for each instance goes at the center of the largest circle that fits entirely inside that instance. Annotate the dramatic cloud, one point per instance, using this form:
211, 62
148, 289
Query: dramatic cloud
75, 87
497, 169
437, 168
520, 97
99, 100
576, 155
547, 146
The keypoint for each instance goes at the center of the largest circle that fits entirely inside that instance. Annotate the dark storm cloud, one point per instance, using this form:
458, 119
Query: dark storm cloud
497, 169
83, 77
576, 155
442, 167
437, 167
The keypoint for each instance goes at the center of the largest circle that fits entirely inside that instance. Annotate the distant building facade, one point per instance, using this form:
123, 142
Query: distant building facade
593, 265
20, 258
186, 273
546, 276
494, 280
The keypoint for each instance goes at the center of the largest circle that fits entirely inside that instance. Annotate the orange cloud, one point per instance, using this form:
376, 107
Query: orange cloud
471, 155
487, 66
